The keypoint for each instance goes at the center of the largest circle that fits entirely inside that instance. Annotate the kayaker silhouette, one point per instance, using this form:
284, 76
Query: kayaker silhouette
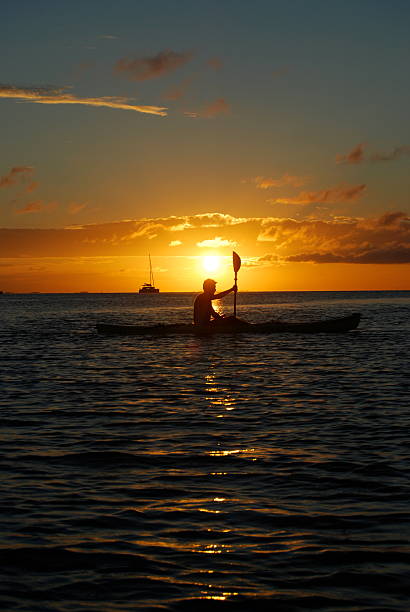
204, 313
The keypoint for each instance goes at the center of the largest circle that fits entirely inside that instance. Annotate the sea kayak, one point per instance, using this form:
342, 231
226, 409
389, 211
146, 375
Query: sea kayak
235, 326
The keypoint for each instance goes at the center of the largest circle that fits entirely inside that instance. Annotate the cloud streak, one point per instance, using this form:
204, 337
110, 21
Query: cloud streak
356, 155
145, 68
332, 195
216, 243
35, 207
397, 153
60, 96
287, 179
211, 110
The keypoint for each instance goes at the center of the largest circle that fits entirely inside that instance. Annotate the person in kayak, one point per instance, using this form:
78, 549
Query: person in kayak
203, 309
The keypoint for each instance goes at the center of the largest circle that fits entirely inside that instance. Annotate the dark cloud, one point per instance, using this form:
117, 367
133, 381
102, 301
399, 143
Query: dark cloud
393, 155
391, 254
356, 155
144, 68
385, 239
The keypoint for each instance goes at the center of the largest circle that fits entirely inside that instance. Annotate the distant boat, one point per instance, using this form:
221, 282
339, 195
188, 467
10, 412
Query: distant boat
149, 287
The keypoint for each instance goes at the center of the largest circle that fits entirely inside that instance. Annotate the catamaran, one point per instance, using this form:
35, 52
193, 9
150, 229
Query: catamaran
149, 287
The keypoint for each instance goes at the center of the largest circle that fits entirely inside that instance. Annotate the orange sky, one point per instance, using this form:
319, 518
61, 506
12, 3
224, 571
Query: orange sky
277, 254
187, 130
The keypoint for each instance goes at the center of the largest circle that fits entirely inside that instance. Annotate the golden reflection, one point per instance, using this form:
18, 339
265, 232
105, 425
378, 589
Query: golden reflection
221, 597
225, 453
218, 395
209, 511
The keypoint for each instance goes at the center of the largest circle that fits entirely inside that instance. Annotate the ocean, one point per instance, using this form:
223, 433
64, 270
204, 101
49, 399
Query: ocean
228, 473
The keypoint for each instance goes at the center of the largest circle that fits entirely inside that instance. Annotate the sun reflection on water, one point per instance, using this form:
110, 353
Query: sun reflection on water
218, 395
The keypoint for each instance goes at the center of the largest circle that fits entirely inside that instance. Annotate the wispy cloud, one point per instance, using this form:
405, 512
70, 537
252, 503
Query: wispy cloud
218, 107
60, 96
393, 155
75, 208
178, 91
331, 196
262, 182
32, 186
175, 243
144, 68
35, 207
216, 242
16, 174
356, 155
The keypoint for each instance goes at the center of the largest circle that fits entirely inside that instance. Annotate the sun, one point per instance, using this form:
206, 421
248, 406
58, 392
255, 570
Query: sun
211, 263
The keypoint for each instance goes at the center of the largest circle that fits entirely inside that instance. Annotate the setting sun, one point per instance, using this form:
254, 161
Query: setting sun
211, 263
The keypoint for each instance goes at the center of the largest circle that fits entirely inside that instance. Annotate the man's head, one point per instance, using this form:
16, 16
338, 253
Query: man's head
209, 285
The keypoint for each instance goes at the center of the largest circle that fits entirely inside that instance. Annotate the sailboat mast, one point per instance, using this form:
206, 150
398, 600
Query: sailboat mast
151, 274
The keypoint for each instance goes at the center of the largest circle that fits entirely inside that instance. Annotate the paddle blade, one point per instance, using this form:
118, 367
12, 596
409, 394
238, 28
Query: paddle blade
236, 261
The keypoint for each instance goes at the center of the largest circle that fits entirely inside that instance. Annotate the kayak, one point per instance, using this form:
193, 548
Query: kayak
234, 326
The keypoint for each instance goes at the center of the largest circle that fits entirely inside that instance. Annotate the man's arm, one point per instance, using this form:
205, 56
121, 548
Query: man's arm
218, 296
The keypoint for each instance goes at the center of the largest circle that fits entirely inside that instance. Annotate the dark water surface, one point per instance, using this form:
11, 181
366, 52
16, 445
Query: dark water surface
225, 473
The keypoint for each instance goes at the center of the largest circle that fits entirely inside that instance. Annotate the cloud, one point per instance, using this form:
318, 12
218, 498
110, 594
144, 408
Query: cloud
59, 96
218, 107
393, 155
177, 92
385, 239
108, 36
144, 68
15, 175
32, 186
215, 63
356, 155
332, 195
391, 254
216, 242
287, 179
35, 207
75, 208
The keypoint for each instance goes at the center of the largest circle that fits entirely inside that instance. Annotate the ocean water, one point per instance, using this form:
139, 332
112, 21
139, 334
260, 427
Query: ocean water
190, 473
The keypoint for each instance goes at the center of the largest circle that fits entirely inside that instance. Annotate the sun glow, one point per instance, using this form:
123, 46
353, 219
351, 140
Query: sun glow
211, 263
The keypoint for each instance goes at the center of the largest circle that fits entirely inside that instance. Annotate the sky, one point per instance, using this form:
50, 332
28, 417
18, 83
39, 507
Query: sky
186, 130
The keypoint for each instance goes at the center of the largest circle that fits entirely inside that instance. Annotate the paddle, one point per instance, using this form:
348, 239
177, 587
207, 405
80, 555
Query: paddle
236, 265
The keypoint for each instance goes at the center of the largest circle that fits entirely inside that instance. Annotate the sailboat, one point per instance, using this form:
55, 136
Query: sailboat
149, 287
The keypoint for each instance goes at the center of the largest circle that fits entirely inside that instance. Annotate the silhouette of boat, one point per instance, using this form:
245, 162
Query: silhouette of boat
235, 326
149, 287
